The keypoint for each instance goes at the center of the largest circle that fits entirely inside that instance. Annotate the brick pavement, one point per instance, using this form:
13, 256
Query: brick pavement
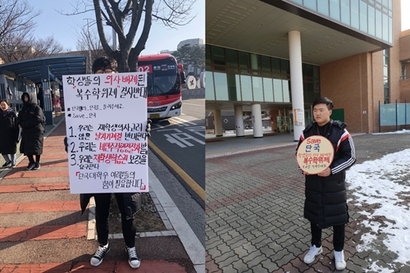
41, 229
254, 213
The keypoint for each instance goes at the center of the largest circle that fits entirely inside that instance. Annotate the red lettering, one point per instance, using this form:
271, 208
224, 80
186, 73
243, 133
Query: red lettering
313, 141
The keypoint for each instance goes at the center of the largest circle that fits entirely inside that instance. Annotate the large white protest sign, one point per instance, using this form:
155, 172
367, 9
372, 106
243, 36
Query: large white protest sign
106, 118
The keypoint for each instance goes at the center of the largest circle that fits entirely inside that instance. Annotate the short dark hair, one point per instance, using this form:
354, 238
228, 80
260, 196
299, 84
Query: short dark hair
104, 63
323, 100
6, 101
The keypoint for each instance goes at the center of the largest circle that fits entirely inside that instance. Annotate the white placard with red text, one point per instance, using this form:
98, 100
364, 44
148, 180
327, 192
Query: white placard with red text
106, 118
315, 154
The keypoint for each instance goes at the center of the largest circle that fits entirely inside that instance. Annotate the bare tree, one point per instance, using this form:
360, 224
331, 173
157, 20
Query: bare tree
16, 41
20, 47
127, 18
16, 16
89, 41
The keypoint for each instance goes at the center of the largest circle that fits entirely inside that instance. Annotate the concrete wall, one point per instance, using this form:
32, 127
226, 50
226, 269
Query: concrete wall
405, 45
405, 90
395, 54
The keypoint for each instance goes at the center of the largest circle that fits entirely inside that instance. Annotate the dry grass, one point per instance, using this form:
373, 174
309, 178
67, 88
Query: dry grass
146, 219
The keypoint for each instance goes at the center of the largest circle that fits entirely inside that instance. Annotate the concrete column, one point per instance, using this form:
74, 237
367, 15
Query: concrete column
239, 126
218, 123
296, 83
257, 120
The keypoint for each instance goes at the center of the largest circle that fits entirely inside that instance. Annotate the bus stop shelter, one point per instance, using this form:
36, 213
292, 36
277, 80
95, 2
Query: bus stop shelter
28, 75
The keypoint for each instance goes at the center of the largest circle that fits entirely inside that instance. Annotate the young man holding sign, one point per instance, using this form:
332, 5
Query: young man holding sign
127, 200
324, 152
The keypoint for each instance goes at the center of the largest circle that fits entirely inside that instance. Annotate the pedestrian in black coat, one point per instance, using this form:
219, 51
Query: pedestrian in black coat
8, 134
32, 122
325, 192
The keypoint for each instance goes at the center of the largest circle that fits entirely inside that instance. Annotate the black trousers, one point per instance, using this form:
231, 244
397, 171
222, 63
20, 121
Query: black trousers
31, 158
338, 236
102, 208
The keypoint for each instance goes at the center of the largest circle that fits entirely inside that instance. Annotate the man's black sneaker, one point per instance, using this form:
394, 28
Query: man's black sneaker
36, 166
133, 259
98, 257
6, 164
30, 166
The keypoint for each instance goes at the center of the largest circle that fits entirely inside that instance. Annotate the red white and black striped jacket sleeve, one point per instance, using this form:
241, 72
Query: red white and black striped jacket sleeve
301, 139
345, 155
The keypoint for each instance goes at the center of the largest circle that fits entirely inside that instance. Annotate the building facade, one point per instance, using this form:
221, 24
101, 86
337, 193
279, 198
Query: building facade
191, 42
277, 56
405, 64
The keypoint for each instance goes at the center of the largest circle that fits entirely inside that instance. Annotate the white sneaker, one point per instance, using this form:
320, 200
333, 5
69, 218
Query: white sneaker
98, 257
133, 259
339, 260
311, 255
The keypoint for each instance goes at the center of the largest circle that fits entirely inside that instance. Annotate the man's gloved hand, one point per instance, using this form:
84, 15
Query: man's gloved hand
148, 128
66, 144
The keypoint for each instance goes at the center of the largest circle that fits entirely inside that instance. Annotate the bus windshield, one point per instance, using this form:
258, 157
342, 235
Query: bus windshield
162, 76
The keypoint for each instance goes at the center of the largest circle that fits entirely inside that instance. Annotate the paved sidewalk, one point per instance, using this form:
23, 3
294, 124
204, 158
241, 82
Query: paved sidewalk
254, 209
41, 229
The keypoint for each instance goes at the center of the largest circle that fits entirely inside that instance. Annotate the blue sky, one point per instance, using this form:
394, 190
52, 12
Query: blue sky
65, 28
405, 15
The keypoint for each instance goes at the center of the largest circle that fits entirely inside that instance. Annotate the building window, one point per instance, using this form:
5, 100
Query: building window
238, 87
323, 8
231, 58
246, 88
232, 94
403, 71
379, 24
371, 21
363, 16
286, 90
335, 9
221, 86
310, 4
243, 59
277, 89
354, 13
345, 11
239, 76
373, 18
268, 89
257, 89
218, 56
209, 90
386, 76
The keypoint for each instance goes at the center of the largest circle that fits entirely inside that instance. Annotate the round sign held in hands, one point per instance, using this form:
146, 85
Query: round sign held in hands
315, 154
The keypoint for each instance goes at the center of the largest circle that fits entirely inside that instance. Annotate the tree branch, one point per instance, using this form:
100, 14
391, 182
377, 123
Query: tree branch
104, 43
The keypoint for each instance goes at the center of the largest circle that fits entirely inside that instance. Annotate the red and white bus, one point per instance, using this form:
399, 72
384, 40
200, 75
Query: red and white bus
165, 79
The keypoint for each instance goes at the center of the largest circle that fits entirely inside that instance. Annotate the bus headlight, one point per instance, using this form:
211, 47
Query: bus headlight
176, 106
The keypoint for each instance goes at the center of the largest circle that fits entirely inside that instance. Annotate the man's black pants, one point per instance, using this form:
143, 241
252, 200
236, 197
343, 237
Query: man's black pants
102, 209
338, 236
